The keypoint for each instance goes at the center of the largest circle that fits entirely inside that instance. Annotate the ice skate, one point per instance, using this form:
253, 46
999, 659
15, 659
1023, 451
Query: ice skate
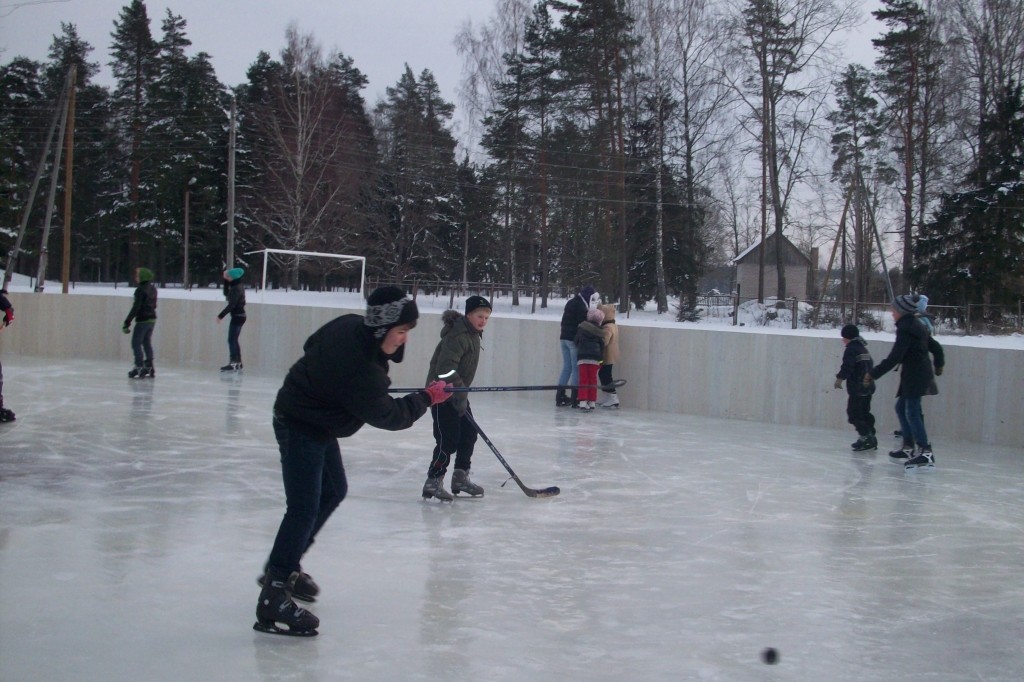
462, 484
610, 400
925, 460
277, 614
6, 415
302, 587
136, 373
903, 454
434, 487
148, 371
232, 367
864, 443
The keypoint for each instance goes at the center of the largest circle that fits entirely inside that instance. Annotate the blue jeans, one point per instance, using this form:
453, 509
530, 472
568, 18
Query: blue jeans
234, 329
911, 416
570, 370
142, 343
314, 486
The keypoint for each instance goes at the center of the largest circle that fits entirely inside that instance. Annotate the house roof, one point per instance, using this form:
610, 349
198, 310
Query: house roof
753, 247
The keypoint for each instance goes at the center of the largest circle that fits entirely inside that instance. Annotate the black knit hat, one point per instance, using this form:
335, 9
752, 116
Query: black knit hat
389, 307
850, 331
474, 302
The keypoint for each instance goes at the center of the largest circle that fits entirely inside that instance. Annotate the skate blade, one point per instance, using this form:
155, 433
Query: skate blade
429, 496
272, 628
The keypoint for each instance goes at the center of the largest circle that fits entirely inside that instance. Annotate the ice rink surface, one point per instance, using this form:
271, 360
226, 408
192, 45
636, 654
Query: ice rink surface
136, 515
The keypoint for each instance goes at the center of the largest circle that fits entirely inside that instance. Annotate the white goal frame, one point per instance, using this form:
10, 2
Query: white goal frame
345, 258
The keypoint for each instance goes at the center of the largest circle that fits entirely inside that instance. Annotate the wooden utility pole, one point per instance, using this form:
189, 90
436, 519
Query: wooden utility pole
12, 257
230, 254
51, 197
69, 143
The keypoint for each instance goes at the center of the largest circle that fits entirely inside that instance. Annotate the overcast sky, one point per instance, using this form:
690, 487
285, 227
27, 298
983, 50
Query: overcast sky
380, 35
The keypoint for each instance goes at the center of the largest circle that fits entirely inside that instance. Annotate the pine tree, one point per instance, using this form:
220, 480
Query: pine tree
420, 231
972, 251
90, 222
133, 53
908, 69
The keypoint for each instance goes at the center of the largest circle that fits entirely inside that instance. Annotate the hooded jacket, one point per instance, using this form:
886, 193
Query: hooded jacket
458, 350
611, 335
234, 291
144, 305
589, 343
911, 350
341, 382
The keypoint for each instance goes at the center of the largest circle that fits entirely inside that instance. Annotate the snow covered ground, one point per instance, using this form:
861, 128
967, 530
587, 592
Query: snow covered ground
136, 516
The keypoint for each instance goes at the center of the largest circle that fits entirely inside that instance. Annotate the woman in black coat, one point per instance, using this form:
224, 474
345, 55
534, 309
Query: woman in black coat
913, 350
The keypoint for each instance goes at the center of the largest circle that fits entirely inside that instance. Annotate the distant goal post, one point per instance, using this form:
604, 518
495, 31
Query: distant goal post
344, 258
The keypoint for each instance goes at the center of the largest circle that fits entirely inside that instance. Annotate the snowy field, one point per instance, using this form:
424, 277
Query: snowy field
136, 516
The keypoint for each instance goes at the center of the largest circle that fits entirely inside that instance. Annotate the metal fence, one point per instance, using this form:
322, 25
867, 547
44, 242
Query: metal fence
733, 309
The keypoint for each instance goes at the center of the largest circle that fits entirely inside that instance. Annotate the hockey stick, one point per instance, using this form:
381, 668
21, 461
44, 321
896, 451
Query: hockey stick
496, 389
530, 492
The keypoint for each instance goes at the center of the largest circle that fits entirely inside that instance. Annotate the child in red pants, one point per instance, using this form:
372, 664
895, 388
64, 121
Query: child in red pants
589, 352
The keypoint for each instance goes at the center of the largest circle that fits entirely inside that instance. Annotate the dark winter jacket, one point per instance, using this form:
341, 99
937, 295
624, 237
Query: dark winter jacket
341, 382
912, 348
234, 291
589, 343
144, 307
574, 313
458, 350
856, 363
7, 309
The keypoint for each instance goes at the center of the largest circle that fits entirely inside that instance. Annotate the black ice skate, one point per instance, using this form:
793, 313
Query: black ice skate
434, 487
302, 588
462, 484
865, 443
903, 454
136, 373
277, 614
6, 415
232, 367
148, 371
925, 460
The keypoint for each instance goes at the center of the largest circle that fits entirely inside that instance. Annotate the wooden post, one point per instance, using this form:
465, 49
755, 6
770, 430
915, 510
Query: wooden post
69, 143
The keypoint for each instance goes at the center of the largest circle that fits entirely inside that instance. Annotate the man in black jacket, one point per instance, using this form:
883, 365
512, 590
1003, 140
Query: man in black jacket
340, 383
143, 312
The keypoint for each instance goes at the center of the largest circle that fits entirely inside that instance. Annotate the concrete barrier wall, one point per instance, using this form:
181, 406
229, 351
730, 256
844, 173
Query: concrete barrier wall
728, 373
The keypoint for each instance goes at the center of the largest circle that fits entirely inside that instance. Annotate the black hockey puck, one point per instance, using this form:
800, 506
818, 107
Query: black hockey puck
770, 656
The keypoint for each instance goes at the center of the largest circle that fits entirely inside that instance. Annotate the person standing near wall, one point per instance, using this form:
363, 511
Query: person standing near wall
234, 292
589, 351
339, 384
7, 310
575, 312
609, 397
144, 313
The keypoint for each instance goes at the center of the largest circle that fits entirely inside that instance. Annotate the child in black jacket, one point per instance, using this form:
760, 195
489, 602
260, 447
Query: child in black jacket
856, 363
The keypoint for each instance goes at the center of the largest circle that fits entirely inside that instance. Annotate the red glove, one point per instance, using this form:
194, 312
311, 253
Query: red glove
437, 393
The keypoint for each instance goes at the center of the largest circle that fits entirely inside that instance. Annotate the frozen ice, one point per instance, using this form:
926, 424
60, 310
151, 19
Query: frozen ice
135, 516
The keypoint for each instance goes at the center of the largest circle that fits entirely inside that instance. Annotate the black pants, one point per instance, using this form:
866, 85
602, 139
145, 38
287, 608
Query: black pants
142, 343
453, 434
234, 329
604, 376
858, 413
314, 486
